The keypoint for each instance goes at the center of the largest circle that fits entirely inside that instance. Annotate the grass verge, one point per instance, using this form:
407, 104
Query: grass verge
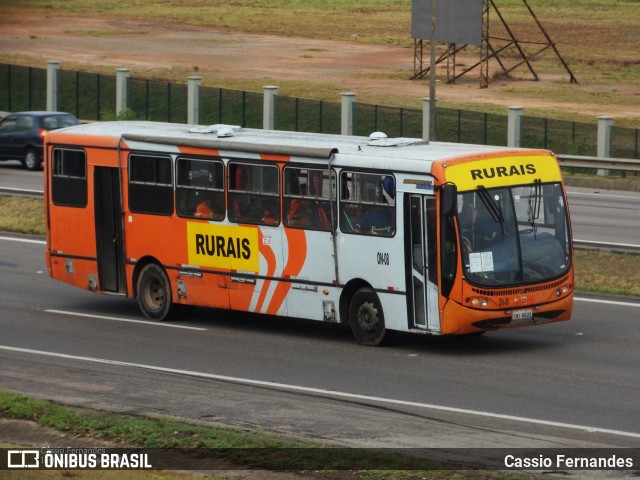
596, 271
21, 215
242, 448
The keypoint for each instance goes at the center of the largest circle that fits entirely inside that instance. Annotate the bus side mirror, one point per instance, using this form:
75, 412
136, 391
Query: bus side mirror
449, 200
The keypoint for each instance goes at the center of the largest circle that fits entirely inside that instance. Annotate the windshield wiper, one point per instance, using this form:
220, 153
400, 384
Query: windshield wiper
491, 205
535, 201
494, 208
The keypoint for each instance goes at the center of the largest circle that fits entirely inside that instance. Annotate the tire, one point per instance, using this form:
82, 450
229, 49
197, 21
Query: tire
154, 293
367, 319
31, 160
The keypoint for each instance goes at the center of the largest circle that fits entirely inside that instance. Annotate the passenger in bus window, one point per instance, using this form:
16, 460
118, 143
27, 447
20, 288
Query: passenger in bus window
207, 209
269, 218
299, 214
270, 212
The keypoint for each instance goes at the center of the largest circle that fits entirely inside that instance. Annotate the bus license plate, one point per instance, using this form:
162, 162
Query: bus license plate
522, 315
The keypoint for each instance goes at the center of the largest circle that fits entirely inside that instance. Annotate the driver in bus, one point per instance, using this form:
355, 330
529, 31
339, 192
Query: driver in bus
381, 218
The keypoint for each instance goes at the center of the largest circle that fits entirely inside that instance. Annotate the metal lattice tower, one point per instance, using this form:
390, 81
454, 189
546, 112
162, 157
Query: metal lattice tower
493, 48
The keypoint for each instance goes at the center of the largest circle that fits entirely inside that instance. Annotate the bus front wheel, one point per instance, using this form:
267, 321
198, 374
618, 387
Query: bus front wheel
367, 318
154, 293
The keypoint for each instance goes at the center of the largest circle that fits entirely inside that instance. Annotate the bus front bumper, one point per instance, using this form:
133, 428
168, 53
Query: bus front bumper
460, 320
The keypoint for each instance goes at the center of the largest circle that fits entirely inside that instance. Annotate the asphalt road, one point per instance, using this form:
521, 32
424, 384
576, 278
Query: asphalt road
575, 383
605, 215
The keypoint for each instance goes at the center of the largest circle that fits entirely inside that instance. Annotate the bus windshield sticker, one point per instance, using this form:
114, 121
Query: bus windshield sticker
481, 262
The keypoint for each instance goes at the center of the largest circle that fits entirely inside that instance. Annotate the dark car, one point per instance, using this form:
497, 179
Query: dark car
21, 135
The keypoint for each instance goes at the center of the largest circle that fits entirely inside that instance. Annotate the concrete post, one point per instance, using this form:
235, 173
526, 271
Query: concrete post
122, 89
605, 125
193, 100
269, 107
53, 91
514, 127
426, 119
347, 113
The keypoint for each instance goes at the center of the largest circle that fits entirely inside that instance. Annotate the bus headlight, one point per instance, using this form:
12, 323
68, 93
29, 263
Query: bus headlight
479, 302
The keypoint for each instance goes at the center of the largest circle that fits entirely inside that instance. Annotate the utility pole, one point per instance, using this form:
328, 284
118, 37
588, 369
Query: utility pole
432, 74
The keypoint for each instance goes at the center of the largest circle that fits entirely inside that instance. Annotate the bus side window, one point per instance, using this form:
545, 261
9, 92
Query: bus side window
306, 198
200, 189
254, 194
367, 204
69, 178
150, 184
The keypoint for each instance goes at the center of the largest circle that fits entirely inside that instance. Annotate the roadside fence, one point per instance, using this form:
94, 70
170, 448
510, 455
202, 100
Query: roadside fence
91, 96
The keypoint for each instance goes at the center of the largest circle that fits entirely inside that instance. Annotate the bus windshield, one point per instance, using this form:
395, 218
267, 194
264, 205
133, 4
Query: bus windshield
514, 235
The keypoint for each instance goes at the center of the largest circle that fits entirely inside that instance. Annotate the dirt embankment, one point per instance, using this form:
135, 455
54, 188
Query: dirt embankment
375, 72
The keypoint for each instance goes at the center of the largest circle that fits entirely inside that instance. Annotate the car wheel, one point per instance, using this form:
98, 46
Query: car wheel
31, 160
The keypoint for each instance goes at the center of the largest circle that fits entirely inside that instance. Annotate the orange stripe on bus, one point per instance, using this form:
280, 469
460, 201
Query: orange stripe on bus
297, 254
269, 256
272, 156
197, 151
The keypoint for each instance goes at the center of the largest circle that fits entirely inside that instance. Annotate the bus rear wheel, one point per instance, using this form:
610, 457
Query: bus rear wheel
154, 293
367, 318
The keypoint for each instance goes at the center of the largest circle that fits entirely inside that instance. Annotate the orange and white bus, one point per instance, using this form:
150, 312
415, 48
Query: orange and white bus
383, 234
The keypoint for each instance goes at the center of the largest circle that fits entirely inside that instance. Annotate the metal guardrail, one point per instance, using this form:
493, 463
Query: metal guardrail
606, 246
623, 164
21, 192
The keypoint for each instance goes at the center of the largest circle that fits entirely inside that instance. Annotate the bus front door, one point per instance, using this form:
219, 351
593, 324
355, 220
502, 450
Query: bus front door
421, 230
109, 237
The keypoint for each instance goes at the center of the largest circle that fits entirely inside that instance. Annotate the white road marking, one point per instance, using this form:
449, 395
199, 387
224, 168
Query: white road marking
608, 302
320, 391
25, 240
126, 320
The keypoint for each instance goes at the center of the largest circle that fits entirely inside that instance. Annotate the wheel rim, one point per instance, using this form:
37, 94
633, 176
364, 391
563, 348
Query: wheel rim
367, 317
154, 294
31, 160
